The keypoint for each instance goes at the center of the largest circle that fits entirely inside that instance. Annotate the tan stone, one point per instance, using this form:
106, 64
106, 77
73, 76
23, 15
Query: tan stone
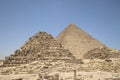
77, 41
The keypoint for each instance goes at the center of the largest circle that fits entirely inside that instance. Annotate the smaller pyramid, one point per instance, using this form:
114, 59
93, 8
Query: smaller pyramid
102, 53
40, 46
77, 41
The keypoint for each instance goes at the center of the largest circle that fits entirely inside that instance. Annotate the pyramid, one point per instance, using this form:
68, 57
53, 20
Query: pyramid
102, 53
77, 41
40, 46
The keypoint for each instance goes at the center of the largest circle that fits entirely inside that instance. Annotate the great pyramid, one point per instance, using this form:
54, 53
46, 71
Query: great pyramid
40, 46
77, 41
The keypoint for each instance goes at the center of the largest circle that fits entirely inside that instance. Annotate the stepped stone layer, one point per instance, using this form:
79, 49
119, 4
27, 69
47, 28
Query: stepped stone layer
39, 47
77, 41
102, 53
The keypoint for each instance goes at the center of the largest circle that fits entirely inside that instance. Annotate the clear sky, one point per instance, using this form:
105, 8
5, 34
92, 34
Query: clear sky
20, 19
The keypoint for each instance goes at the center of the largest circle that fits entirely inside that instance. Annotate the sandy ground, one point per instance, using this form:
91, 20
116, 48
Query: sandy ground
67, 76
23, 76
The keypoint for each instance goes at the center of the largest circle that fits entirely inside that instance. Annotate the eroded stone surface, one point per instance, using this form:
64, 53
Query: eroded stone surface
39, 47
102, 53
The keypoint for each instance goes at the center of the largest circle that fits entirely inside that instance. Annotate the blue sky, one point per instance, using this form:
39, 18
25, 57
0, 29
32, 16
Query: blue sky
20, 19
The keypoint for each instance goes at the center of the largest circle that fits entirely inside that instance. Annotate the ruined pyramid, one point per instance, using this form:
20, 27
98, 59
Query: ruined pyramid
40, 46
77, 41
102, 53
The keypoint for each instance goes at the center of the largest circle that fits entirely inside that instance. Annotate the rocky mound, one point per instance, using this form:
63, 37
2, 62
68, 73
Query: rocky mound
50, 66
102, 53
41, 46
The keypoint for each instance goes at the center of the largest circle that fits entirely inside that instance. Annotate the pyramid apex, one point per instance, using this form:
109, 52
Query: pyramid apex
71, 25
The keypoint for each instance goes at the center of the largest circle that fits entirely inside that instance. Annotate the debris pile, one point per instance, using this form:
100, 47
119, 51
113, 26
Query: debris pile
102, 53
50, 66
41, 46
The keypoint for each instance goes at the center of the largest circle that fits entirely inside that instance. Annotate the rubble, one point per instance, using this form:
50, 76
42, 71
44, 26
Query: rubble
102, 53
50, 66
41, 46
1, 63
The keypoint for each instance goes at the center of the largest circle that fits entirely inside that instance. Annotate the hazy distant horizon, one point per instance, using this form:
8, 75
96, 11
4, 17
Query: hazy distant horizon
20, 19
